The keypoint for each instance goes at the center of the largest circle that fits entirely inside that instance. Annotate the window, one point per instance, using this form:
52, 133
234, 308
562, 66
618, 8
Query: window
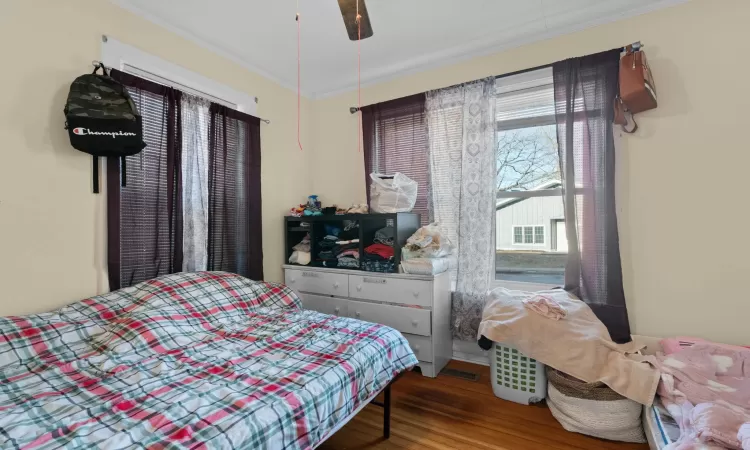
529, 194
192, 197
528, 235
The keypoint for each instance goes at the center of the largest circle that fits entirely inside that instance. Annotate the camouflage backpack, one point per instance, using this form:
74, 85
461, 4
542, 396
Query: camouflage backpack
102, 120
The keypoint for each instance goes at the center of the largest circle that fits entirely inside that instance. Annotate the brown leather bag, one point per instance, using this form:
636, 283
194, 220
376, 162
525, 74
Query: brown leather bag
637, 88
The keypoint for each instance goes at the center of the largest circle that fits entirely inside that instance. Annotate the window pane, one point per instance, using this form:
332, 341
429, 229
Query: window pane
527, 159
539, 235
517, 235
538, 260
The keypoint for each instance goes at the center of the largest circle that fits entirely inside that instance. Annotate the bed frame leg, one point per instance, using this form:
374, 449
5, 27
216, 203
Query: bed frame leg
387, 412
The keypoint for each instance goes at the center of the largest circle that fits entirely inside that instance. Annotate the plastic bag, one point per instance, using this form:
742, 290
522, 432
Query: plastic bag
392, 195
427, 266
427, 242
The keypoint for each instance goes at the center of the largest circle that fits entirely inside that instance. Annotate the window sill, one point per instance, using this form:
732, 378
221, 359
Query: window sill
521, 286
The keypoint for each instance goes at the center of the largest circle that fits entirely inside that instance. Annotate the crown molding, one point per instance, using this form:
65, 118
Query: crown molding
486, 47
126, 5
535, 31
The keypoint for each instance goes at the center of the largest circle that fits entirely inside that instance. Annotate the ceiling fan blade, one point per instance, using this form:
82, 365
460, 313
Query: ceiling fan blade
349, 13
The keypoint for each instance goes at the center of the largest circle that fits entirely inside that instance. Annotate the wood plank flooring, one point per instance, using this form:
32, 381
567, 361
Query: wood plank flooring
447, 413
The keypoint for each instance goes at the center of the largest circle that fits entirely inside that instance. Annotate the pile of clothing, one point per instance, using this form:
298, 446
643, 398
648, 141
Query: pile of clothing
301, 253
354, 209
340, 246
378, 257
706, 388
427, 252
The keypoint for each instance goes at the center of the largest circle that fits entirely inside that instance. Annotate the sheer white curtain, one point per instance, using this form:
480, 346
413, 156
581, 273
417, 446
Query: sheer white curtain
195, 117
462, 135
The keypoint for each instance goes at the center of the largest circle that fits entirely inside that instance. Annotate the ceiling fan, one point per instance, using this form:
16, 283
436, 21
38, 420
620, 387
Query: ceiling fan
349, 13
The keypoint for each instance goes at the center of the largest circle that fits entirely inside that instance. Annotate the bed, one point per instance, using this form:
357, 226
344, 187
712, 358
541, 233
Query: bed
201, 360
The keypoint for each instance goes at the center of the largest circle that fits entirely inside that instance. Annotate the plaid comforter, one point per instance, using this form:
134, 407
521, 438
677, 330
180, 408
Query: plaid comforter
203, 361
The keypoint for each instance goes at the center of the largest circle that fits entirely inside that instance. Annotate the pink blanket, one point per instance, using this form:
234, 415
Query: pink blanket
707, 389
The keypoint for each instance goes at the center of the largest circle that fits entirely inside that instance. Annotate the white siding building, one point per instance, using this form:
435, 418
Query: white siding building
536, 223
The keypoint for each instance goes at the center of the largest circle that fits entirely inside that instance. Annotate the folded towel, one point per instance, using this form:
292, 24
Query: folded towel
545, 306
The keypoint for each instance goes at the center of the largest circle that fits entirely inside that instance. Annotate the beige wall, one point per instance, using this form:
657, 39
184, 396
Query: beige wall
52, 247
682, 196
681, 193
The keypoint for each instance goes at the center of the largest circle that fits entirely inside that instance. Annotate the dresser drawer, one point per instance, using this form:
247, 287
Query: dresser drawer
406, 320
392, 290
326, 305
315, 282
421, 346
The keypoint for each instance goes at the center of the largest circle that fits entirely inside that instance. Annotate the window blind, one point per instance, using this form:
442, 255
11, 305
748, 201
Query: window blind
203, 172
149, 213
395, 140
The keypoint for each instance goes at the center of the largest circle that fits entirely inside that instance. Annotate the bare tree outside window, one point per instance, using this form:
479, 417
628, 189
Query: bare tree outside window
527, 158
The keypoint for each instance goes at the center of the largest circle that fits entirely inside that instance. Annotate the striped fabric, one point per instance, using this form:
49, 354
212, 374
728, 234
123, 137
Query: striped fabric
203, 360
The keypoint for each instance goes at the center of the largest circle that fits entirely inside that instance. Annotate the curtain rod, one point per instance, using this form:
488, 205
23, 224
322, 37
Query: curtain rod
166, 82
635, 46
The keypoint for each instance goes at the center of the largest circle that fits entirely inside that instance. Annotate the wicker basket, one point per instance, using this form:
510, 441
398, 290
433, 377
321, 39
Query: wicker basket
593, 409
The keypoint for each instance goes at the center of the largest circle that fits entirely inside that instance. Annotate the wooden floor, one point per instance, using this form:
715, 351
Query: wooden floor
451, 413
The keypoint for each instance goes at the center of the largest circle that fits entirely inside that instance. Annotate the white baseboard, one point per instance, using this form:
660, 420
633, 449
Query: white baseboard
470, 352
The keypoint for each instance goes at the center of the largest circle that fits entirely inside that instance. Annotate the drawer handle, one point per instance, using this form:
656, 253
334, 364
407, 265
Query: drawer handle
359, 287
292, 280
337, 310
416, 294
414, 323
336, 285
416, 348
357, 314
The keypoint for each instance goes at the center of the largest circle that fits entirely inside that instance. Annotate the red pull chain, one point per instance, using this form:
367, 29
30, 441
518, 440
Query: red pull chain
299, 89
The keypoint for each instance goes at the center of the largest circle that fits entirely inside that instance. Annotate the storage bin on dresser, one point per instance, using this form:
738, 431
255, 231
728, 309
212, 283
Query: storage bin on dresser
416, 305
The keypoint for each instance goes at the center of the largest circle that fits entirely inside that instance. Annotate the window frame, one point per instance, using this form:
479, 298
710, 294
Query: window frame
128, 59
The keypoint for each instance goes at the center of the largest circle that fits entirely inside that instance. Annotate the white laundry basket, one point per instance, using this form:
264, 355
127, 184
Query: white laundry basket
515, 376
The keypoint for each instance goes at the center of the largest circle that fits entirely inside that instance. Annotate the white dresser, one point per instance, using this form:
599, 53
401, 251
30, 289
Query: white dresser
418, 306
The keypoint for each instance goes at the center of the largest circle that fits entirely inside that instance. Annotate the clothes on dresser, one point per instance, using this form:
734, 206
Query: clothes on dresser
304, 244
384, 236
348, 262
299, 257
326, 254
332, 230
382, 250
371, 264
301, 254
349, 252
348, 255
328, 243
353, 241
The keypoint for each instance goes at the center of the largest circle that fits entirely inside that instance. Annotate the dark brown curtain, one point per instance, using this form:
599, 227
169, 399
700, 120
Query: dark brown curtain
585, 90
234, 201
395, 140
144, 217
